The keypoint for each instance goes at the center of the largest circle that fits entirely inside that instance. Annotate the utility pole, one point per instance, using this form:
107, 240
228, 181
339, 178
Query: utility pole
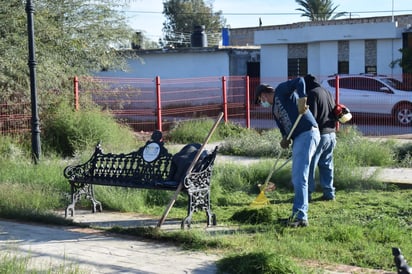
35, 124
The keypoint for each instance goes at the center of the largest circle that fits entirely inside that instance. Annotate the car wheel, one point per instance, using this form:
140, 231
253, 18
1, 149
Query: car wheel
403, 114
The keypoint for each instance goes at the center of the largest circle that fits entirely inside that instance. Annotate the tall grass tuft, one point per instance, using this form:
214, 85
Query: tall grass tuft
257, 262
254, 144
17, 264
67, 132
196, 131
404, 155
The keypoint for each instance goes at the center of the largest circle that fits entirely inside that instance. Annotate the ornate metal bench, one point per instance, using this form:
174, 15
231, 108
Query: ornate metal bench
150, 167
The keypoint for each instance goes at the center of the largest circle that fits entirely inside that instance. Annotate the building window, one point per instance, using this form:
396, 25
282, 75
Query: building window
343, 57
297, 67
370, 56
370, 69
343, 67
297, 60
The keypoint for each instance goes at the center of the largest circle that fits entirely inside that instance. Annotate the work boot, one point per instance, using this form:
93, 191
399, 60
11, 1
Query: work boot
298, 223
326, 198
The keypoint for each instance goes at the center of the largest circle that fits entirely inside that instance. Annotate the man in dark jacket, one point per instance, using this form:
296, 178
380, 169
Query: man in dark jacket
321, 105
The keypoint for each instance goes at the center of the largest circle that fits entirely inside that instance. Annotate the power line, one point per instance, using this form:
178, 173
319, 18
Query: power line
269, 13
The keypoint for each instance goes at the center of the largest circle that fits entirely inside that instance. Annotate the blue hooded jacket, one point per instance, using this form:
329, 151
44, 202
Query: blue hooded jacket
285, 107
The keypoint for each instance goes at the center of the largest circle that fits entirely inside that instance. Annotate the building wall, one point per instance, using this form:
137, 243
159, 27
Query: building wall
369, 43
173, 65
322, 58
273, 62
245, 36
384, 59
356, 56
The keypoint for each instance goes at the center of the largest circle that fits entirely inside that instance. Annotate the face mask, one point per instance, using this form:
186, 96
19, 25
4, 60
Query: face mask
265, 104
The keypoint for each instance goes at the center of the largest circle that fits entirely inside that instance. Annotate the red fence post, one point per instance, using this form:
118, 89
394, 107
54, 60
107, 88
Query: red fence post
158, 105
337, 97
76, 93
224, 98
247, 98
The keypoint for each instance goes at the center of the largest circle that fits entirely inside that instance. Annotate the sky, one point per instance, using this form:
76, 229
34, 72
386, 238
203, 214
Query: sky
146, 15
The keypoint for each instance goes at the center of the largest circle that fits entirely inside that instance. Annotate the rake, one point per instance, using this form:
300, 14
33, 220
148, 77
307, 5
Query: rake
261, 199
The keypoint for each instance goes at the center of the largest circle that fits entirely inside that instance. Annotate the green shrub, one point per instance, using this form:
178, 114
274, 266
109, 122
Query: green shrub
403, 155
13, 147
253, 216
258, 262
254, 144
67, 131
192, 131
355, 150
196, 131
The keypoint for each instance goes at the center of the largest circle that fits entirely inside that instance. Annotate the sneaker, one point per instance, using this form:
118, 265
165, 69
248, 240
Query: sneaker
298, 223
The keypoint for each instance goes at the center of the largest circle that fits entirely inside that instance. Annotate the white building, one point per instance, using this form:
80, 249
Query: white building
354, 46
189, 63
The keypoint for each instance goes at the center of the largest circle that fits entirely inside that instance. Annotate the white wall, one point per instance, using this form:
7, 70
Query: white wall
388, 50
328, 58
356, 56
314, 59
172, 65
323, 58
310, 34
273, 61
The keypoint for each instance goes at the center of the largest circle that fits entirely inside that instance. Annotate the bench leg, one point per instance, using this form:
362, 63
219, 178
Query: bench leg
76, 193
96, 205
77, 190
199, 200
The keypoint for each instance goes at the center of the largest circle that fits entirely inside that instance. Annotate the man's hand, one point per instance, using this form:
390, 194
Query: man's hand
285, 143
302, 106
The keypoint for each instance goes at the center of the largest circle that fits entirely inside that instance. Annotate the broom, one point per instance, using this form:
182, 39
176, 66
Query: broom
190, 168
261, 199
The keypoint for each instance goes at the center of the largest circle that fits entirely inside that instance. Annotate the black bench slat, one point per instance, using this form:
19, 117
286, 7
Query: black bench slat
149, 167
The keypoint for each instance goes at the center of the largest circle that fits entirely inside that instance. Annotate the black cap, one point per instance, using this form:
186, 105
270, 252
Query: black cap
262, 88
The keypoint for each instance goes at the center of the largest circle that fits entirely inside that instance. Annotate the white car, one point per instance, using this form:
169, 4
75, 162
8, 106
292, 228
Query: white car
373, 94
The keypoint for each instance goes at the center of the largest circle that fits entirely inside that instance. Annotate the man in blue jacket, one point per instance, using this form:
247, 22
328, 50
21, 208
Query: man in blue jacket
288, 102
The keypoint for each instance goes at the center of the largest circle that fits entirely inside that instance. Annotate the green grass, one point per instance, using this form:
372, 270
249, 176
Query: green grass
359, 228
14, 264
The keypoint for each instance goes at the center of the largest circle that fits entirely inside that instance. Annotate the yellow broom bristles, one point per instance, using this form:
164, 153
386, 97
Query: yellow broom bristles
261, 200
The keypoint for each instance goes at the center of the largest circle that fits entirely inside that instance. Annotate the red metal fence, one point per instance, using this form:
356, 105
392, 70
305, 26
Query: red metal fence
14, 118
147, 104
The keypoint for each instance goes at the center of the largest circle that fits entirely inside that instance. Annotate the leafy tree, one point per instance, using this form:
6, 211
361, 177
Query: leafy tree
406, 64
406, 61
72, 37
319, 10
140, 41
183, 15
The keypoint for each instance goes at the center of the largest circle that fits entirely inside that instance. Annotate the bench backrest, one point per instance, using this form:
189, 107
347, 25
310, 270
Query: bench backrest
133, 166
146, 166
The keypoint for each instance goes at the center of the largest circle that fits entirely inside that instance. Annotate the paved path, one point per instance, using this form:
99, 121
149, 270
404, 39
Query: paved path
92, 251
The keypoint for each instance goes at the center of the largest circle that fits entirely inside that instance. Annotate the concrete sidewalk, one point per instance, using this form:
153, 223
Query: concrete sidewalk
92, 251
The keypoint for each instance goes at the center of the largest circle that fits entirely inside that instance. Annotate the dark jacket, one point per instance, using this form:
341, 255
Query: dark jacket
321, 104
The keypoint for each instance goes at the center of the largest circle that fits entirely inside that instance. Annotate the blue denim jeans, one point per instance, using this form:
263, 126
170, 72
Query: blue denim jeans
303, 149
323, 159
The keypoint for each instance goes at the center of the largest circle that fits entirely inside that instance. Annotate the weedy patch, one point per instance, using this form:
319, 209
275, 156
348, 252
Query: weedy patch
263, 215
